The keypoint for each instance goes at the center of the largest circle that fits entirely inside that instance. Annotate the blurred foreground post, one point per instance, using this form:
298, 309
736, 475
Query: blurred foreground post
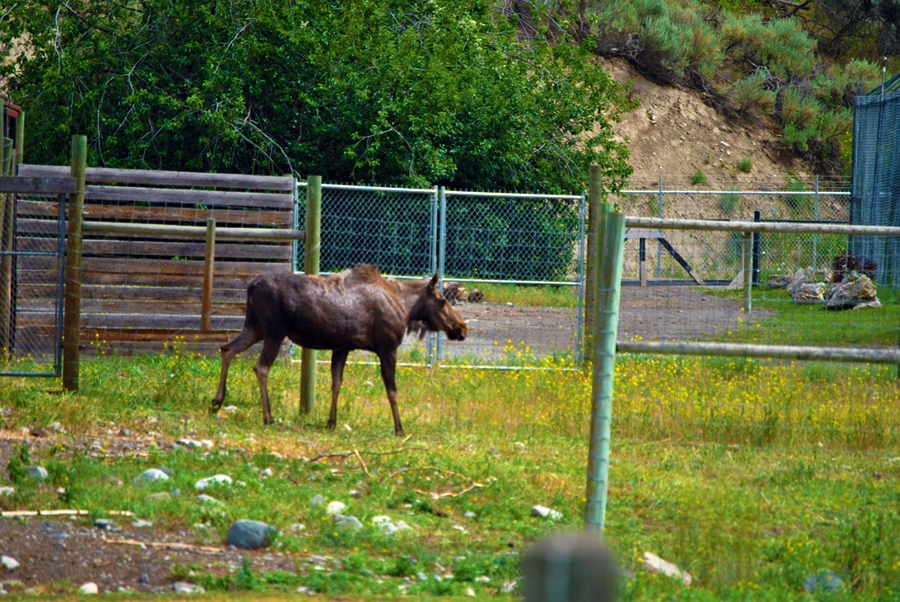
311, 248
569, 567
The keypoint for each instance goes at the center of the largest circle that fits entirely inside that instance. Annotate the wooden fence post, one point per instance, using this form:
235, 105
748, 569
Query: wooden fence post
6, 226
209, 264
72, 318
311, 266
590, 271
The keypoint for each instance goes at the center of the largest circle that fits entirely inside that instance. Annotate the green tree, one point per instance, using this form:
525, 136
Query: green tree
397, 91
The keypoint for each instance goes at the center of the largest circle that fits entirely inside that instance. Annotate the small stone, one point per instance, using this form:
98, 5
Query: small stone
388, 528
317, 499
297, 527
544, 512
140, 523
823, 582
104, 524
144, 578
9, 562
335, 508
469, 514
266, 473
38, 472
249, 534
55, 427
220, 479
151, 474
351, 523
470, 592
231, 409
655, 564
88, 588
207, 499
460, 528
402, 525
183, 587
7, 490
125, 433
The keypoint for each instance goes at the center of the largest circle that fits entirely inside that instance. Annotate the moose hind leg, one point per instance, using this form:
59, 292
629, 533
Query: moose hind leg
229, 351
388, 369
338, 361
270, 349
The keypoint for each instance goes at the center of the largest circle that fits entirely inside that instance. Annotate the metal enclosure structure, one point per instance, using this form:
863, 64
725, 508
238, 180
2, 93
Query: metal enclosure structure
875, 190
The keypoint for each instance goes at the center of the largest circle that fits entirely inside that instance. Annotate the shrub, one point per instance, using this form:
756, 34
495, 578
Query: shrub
745, 165
728, 201
699, 177
845, 263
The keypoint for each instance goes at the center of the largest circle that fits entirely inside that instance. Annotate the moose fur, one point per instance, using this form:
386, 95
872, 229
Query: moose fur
355, 309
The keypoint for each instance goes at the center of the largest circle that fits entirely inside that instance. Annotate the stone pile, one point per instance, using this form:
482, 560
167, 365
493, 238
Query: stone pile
810, 286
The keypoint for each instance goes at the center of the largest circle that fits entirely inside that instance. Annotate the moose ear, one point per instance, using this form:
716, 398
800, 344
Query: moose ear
434, 281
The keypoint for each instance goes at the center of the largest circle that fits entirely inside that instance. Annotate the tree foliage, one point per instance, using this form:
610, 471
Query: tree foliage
395, 91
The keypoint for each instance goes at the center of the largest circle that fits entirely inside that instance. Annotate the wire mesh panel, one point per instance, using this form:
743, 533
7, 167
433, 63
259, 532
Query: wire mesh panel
714, 256
515, 263
391, 228
32, 278
876, 177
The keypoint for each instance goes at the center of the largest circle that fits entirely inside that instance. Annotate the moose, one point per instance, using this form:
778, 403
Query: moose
354, 309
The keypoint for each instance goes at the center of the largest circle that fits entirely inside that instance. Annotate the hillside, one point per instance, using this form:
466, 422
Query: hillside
674, 133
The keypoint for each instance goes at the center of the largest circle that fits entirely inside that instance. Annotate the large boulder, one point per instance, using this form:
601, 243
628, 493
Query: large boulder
249, 534
807, 294
808, 275
856, 292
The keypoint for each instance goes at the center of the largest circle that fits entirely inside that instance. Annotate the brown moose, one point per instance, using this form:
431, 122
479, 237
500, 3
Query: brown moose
355, 309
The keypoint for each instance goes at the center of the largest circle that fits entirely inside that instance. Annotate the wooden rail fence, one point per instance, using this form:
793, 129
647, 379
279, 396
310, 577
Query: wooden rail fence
167, 255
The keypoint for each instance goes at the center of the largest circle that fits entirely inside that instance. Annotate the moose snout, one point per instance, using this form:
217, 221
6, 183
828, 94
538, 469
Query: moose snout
458, 333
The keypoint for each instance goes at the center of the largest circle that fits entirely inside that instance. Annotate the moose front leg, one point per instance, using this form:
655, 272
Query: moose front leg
388, 370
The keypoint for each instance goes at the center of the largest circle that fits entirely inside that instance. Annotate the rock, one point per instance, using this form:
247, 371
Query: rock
266, 473
7, 490
402, 525
123, 432
808, 294
56, 427
183, 587
778, 281
88, 588
388, 528
207, 499
140, 523
38, 472
104, 524
351, 523
823, 582
9, 562
655, 564
163, 494
808, 276
298, 527
144, 578
469, 514
335, 508
249, 534
151, 474
231, 409
543, 512
317, 499
220, 479
853, 293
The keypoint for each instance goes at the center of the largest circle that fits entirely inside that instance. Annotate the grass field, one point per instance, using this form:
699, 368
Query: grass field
752, 476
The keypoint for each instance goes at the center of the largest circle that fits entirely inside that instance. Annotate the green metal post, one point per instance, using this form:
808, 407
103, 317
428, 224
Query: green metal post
747, 261
311, 247
610, 246
6, 226
590, 276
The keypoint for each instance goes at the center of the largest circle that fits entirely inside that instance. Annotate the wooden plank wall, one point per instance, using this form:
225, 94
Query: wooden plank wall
143, 293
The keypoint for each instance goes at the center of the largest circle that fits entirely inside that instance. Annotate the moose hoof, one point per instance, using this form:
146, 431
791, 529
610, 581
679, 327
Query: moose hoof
214, 406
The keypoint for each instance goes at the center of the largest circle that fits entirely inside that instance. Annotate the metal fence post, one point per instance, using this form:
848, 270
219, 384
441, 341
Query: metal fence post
659, 243
209, 266
311, 248
579, 327
7, 211
435, 203
747, 265
295, 224
590, 301
442, 257
757, 243
610, 248
816, 217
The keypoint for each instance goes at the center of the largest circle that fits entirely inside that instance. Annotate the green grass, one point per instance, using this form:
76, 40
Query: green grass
795, 324
750, 475
532, 295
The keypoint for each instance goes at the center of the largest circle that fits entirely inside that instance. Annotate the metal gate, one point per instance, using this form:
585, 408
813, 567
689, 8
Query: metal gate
32, 268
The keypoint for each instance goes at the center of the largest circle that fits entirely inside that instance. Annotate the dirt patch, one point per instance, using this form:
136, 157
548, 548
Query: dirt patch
653, 313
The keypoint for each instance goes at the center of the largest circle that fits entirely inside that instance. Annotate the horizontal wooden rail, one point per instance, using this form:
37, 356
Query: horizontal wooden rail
166, 178
60, 185
722, 226
197, 231
783, 352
